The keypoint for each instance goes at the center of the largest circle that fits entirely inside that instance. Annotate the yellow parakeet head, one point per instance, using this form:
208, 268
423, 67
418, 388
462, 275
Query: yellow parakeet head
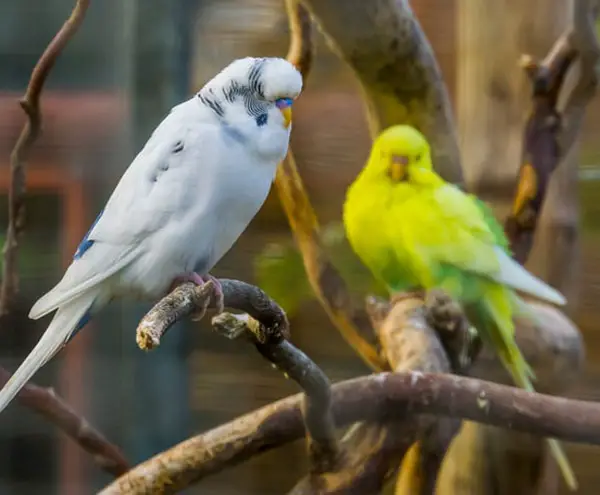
402, 154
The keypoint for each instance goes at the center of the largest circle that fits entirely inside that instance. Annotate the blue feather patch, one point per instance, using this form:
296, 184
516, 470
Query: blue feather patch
262, 119
85, 319
86, 243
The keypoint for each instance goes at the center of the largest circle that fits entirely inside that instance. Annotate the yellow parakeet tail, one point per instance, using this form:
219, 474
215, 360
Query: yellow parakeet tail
492, 316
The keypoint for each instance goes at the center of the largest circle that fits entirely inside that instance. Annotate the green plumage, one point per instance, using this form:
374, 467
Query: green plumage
413, 230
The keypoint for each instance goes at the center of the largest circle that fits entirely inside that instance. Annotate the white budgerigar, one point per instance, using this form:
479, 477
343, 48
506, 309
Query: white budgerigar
182, 203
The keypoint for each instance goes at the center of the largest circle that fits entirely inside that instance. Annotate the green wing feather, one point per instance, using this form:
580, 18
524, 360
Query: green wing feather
456, 239
493, 224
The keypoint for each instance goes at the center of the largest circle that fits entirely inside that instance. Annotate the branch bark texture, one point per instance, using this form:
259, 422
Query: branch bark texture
51, 407
385, 46
390, 395
328, 285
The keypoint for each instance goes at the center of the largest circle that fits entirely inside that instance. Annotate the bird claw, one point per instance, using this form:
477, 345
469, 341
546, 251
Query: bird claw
218, 293
199, 280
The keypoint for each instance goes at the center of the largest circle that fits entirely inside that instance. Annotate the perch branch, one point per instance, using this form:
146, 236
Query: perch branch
383, 395
30, 103
266, 325
373, 450
188, 297
550, 131
326, 282
46, 403
426, 335
316, 404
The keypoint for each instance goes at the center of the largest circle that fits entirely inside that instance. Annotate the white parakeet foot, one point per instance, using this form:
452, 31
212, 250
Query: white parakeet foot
201, 280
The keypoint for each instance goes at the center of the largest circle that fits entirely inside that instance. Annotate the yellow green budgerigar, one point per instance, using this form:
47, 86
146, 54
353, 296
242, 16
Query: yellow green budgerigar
414, 230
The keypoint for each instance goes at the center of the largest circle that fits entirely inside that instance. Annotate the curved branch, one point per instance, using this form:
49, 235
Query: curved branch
316, 405
328, 285
266, 326
41, 400
552, 127
188, 297
383, 43
46, 403
364, 399
31, 130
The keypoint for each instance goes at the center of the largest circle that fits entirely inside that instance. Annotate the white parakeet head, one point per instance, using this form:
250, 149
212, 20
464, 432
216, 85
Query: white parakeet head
258, 90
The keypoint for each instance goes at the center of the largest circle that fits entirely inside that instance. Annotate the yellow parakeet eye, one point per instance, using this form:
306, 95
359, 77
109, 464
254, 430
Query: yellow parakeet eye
398, 170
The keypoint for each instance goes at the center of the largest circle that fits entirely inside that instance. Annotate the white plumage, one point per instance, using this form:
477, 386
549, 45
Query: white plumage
182, 203
513, 275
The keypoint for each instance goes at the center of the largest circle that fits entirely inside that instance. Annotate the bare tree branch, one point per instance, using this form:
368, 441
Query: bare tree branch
188, 298
390, 395
554, 124
383, 43
326, 282
316, 406
50, 406
17, 192
427, 336
266, 326
41, 400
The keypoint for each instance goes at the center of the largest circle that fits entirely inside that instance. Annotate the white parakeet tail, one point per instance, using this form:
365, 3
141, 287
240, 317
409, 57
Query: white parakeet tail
56, 335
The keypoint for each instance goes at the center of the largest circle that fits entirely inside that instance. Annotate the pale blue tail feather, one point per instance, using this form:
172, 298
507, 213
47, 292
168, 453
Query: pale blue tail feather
57, 334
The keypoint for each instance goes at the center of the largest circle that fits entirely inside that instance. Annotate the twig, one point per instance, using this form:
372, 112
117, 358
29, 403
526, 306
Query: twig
364, 399
46, 403
267, 327
326, 282
316, 405
550, 131
188, 298
42, 400
31, 130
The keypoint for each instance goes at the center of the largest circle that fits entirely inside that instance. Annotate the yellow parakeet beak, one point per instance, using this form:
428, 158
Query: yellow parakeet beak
398, 167
285, 107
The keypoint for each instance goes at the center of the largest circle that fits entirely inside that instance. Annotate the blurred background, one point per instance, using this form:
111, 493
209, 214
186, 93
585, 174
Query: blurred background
126, 67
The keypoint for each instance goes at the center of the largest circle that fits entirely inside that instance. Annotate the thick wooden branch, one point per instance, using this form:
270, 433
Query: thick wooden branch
384, 44
383, 395
552, 346
374, 450
51, 407
31, 130
562, 86
266, 326
326, 282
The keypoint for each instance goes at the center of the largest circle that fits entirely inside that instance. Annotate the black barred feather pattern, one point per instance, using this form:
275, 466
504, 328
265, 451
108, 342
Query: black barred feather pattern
252, 93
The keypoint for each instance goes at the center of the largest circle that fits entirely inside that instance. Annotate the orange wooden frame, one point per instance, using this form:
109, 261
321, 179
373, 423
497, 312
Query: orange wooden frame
74, 225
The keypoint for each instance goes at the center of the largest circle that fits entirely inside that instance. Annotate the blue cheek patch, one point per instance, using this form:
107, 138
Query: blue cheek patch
262, 119
85, 242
